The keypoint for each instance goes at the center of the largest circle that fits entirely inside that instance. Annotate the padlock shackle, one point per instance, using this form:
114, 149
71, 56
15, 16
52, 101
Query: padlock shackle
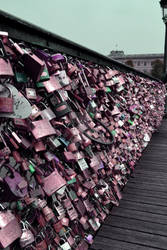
10, 91
2, 48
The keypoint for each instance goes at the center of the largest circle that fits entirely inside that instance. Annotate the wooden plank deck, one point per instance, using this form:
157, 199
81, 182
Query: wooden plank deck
140, 222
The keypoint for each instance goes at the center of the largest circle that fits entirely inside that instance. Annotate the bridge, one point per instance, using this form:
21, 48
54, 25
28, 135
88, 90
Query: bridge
140, 222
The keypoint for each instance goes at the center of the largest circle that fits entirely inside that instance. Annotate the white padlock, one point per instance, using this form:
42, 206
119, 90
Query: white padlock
64, 245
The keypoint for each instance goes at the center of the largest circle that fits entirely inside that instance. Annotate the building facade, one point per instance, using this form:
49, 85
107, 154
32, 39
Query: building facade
141, 62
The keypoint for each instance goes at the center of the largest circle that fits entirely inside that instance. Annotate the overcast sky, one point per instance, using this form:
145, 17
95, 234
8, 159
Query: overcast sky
134, 26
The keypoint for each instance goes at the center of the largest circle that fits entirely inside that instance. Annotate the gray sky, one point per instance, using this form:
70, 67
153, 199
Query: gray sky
134, 26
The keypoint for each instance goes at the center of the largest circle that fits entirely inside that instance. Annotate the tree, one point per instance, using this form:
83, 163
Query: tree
129, 63
157, 69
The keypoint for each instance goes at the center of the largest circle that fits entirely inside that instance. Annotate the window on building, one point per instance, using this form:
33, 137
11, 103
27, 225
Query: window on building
129, 63
138, 63
145, 63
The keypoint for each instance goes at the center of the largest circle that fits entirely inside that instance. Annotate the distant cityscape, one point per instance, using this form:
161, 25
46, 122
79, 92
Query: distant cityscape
146, 63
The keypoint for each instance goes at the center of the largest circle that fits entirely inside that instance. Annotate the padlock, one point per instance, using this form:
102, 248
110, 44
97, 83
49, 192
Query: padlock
39, 146
31, 93
82, 164
25, 143
72, 213
81, 244
53, 182
64, 245
42, 128
72, 147
20, 123
27, 236
80, 206
71, 70
40, 242
48, 213
65, 221
69, 156
17, 184
49, 235
72, 194
42, 54
58, 226
20, 76
52, 84
35, 112
59, 106
33, 66
95, 163
84, 222
75, 135
88, 183
10, 229
21, 106
40, 203
49, 156
94, 223
5, 65
24, 165
88, 205
17, 156
63, 78
69, 238
6, 102
47, 113
58, 57
44, 76
89, 238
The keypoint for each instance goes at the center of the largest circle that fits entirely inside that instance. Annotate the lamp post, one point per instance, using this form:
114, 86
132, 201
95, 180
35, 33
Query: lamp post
163, 4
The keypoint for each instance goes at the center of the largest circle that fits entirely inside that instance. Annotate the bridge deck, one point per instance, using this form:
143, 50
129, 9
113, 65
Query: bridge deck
140, 222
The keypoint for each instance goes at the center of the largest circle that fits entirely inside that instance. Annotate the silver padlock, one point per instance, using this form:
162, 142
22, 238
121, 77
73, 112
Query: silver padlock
27, 236
47, 113
64, 245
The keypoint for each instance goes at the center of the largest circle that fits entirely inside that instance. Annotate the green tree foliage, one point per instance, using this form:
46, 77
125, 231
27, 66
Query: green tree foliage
129, 63
157, 69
